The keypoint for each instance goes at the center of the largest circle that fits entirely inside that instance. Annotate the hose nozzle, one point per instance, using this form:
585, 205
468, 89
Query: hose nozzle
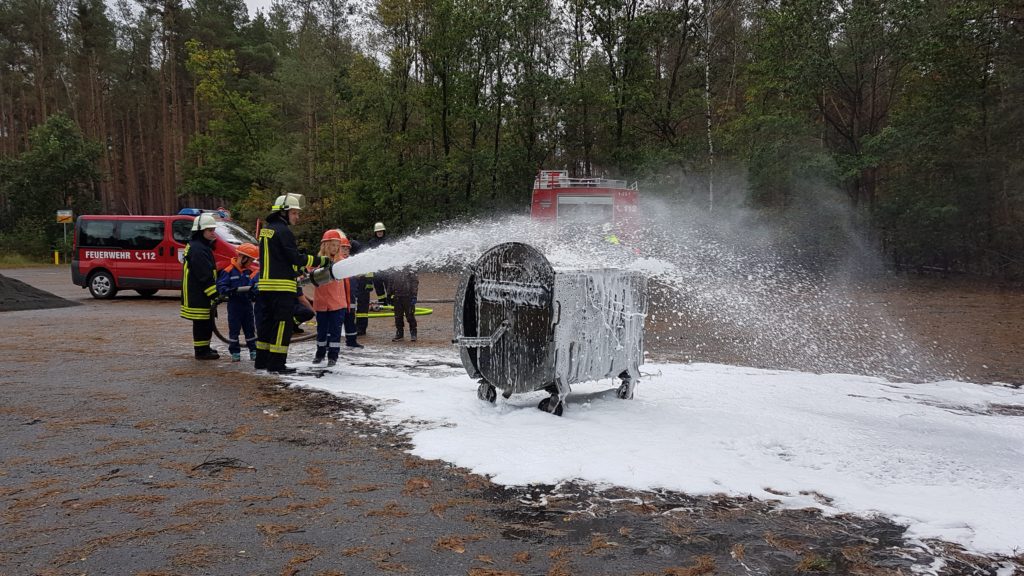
321, 276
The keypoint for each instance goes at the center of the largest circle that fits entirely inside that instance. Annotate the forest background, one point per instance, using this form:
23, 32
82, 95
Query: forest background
420, 111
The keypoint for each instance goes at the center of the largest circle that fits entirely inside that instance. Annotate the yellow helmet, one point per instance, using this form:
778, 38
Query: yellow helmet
289, 202
379, 227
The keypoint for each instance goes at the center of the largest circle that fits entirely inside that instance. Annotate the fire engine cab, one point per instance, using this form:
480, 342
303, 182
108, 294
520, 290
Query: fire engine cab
557, 197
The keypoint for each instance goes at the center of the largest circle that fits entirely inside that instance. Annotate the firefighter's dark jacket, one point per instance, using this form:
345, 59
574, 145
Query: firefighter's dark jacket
198, 279
280, 256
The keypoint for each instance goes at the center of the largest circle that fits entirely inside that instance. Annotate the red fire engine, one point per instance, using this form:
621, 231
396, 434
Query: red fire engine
557, 197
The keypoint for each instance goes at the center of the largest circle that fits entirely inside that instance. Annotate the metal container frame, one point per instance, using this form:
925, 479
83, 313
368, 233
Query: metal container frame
522, 326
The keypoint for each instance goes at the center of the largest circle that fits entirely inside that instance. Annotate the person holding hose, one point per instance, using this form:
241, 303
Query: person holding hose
279, 258
199, 285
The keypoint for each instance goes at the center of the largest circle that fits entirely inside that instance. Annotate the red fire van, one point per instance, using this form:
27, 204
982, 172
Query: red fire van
142, 253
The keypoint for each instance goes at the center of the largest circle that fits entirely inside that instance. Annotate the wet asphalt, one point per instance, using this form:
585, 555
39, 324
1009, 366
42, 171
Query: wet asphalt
123, 455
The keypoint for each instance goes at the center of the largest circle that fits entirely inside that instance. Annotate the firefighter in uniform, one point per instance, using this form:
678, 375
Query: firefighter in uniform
380, 282
199, 285
361, 285
279, 258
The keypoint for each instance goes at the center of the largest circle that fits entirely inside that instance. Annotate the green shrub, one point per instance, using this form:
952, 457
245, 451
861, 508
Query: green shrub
27, 238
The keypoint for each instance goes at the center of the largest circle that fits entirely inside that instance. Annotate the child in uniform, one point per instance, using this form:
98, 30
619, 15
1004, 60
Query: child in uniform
331, 301
236, 282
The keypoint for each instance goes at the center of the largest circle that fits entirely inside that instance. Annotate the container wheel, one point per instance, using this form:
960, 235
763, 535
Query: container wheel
486, 392
552, 405
625, 390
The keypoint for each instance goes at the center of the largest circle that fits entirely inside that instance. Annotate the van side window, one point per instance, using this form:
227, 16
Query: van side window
141, 234
97, 233
182, 230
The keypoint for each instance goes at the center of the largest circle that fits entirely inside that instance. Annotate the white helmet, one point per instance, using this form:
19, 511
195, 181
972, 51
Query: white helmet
203, 222
379, 227
289, 202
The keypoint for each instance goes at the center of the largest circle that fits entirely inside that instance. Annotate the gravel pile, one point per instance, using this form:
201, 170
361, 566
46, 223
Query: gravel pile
16, 295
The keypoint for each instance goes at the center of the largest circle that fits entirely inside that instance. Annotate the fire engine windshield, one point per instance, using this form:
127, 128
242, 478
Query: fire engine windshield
585, 209
233, 233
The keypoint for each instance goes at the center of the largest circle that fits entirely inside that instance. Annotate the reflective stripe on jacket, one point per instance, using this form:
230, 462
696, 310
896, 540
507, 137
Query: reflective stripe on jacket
279, 256
231, 278
198, 280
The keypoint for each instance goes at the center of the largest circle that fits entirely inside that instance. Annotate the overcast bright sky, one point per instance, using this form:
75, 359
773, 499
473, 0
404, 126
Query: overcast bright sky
255, 5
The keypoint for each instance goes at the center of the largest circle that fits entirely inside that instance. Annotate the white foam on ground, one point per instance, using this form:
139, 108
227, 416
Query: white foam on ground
938, 457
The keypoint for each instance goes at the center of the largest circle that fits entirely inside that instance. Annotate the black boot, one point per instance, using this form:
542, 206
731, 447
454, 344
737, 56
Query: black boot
262, 357
276, 365
206, 353
412, 334
399, 335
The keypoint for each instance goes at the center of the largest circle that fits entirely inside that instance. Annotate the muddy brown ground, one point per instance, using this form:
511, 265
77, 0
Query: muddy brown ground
122, 455
935, 329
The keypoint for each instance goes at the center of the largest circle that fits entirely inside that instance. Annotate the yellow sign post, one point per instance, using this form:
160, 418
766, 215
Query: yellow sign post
64, 217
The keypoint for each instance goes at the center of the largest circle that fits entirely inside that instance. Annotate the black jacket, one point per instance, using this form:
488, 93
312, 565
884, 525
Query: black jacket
374, 241
280, 256
198, 279
403, 282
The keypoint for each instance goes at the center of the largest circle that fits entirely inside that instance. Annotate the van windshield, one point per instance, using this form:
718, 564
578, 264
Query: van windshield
233, 233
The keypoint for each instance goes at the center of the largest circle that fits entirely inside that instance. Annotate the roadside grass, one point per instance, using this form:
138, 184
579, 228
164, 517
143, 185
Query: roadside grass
10, 260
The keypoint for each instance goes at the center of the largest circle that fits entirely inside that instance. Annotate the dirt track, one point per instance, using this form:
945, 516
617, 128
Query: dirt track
122, 455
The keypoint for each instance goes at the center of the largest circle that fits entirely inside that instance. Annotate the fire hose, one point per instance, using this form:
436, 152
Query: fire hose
317, 277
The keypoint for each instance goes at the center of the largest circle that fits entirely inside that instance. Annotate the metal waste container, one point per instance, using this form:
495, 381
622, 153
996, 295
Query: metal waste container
522, 325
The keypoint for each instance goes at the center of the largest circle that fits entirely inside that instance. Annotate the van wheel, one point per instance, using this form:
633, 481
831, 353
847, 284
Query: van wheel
146, 292
101, 285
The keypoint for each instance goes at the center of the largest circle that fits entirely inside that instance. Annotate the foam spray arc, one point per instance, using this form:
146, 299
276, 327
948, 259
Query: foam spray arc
712, 297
